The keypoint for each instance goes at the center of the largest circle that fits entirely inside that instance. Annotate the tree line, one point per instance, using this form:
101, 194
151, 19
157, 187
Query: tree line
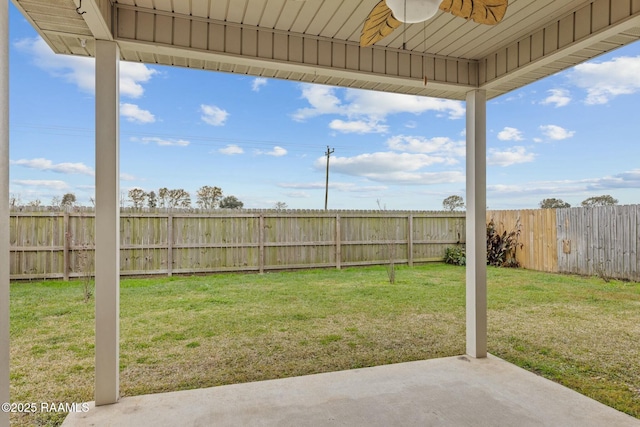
207, 197
604, 200
455, 202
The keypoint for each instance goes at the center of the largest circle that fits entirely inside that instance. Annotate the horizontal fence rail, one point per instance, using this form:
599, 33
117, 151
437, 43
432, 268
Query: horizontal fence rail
602, 241
46, 244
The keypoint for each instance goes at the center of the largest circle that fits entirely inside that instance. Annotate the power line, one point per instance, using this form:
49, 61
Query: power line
196, 140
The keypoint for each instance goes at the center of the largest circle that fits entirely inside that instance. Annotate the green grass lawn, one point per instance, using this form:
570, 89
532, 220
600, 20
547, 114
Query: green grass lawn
190, 332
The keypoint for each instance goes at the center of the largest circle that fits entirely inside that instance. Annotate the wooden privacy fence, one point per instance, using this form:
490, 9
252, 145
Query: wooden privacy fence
61, 244
537, 235
603, 241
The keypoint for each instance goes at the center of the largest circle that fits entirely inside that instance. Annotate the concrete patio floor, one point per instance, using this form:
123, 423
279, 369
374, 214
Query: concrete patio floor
454, 391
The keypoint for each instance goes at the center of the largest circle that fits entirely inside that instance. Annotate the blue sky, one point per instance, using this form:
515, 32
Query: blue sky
570, 136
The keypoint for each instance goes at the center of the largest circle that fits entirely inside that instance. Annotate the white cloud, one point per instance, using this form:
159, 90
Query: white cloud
510, 134
557, 98
358, 126
48, 165
374, 106
347, 187
510, 156
49, 184
134, 114
605, 80
275, 152
213, 115
442, 147
163, 142
420, 178
298, 194
323, 101
80, 71
127, 177
556, 133
628, 179
381, 104
363, 164
392, 167
132, 75
231, 149
257, 83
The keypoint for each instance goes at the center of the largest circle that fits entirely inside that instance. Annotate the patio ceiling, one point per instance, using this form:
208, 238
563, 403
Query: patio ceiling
318, 40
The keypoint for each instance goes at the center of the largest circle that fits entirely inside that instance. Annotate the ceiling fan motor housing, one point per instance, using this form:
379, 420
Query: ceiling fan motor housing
416, 10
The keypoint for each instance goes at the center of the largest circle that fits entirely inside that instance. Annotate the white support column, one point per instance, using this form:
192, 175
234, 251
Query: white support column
476, 223
107, 223
4, 209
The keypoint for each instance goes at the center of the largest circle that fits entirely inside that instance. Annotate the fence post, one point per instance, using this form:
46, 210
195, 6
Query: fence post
410, 240
261, 243
338, 244
66, 243
169, 244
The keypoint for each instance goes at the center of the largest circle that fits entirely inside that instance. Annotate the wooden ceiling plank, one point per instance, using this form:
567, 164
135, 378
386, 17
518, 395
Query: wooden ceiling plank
288, 15
163, 5
271, 13
218, 9
200, 8
182, 6
323, 14
254, 11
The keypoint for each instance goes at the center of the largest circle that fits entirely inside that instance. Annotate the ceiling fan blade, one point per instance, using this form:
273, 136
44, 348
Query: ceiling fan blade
488, 12
379, 24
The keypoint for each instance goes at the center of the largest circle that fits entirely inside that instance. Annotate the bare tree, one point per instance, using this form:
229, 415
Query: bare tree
152, 199
56, 202
163, 197
15, 200
280, 206
137, 197
208, 197
179, 198
452, 203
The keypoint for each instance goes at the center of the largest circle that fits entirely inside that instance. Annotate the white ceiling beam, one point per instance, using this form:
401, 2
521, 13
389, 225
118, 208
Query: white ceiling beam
162, 33
97, 15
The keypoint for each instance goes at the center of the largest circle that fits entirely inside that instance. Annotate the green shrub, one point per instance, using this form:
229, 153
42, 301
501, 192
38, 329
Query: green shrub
501, 248
455, 255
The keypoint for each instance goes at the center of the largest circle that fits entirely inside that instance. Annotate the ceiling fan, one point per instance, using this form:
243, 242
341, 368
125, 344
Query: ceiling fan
388, 15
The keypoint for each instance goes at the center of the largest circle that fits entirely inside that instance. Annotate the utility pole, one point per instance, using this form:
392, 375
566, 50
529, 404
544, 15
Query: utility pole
326, 192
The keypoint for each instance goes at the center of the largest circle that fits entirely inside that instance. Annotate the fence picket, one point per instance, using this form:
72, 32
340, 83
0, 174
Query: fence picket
44, 244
